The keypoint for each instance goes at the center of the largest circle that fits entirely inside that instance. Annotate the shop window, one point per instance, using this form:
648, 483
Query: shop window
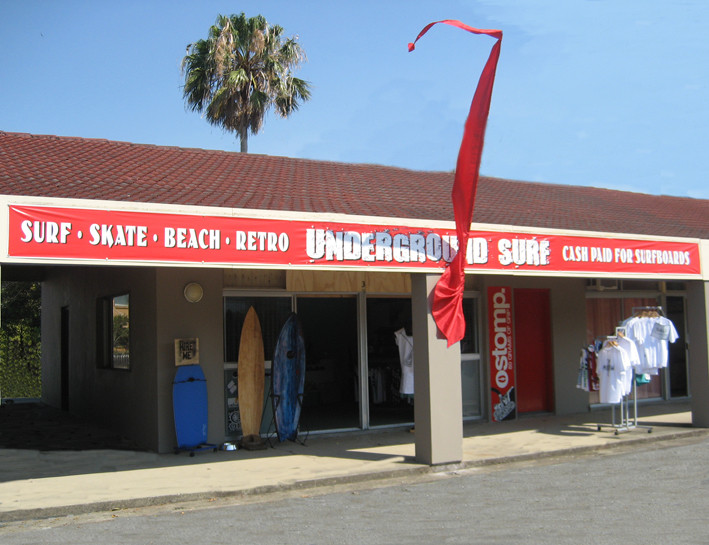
613, 284
640, 285
114, 332
602, 284
675, 286
329, 326
470, 344
272, 313
470, 361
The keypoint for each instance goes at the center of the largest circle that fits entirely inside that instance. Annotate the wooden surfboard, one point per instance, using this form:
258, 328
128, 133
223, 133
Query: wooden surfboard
250, 377
288, 379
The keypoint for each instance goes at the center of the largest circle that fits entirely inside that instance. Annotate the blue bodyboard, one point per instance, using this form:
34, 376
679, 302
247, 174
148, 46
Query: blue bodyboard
288, 379
189, 401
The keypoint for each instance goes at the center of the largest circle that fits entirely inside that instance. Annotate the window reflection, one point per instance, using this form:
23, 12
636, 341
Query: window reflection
120, 332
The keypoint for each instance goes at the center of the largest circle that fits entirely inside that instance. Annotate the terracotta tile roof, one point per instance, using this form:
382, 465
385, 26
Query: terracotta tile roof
52, 166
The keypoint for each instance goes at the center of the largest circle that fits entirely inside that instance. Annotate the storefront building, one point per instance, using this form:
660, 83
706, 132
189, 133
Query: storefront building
137, 246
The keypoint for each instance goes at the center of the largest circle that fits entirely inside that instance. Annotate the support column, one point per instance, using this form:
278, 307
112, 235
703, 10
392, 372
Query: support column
697, 331
438, 405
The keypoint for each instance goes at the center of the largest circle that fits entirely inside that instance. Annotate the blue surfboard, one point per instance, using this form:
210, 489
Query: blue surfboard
189, 401
288, 379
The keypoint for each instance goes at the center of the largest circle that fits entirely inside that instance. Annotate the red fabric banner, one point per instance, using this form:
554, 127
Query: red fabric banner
447, 305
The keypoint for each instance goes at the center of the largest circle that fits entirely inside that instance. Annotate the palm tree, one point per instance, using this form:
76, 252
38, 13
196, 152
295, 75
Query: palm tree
240, 71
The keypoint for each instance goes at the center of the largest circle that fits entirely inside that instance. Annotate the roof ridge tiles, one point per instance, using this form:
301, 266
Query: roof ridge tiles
245, 156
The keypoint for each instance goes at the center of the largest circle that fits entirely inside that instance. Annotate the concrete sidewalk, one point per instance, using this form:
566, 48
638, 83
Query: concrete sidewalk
37, 484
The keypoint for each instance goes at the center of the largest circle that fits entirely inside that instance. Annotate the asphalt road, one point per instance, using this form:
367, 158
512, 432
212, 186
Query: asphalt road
652, 494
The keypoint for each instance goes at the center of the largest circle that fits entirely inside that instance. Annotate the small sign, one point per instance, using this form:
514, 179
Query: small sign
186, 351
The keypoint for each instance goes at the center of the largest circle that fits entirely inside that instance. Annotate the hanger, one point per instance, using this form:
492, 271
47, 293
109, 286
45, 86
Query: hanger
647, 312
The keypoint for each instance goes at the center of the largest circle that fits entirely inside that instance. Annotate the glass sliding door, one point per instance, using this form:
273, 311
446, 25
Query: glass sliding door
678, 374
390, 392
470, 361
331, 398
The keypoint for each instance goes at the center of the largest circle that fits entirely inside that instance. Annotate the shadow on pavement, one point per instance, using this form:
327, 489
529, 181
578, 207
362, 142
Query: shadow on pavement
36, 426
38, 441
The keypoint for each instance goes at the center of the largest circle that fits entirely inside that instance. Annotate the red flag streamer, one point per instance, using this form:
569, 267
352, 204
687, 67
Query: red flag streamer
447, 308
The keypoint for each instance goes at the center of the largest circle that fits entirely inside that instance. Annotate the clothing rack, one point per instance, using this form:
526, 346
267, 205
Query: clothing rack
642, 311
626, 422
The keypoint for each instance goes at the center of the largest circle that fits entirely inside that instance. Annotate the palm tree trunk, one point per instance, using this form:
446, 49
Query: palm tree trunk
244, 138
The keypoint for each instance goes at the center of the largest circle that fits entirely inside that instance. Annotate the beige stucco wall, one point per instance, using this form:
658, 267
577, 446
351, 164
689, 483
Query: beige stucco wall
121, 400
176, 319
137, 403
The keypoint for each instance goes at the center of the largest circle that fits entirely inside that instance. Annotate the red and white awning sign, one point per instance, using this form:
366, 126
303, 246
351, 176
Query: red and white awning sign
52, 233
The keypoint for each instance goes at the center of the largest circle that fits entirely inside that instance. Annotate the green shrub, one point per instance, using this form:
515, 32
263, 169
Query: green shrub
20, 340
20, 367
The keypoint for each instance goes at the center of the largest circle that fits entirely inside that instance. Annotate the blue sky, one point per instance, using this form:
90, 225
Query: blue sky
603, 93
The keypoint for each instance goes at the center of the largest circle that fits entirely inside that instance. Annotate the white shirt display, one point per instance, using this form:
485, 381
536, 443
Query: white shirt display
406, 357
633, 357
613, 369
651, 335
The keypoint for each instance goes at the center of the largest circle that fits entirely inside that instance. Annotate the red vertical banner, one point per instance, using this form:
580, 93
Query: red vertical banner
501, 341
447, 307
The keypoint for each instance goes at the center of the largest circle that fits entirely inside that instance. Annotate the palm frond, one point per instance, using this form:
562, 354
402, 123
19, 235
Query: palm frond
240, 71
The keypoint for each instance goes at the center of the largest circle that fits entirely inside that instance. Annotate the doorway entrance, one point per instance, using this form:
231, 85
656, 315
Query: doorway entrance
678, 373
391, 399
532, 319
331, 396
64, 358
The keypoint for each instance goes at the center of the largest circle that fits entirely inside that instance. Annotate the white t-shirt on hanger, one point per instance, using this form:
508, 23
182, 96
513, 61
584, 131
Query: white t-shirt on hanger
633, 358
406, 357
613, 368
651, 335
